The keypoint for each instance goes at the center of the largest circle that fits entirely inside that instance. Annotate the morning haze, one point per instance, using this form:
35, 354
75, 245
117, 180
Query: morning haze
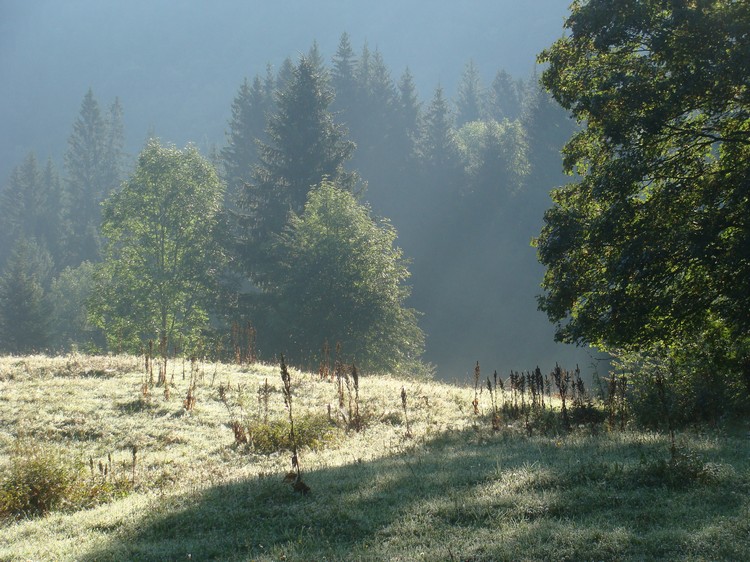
177, 67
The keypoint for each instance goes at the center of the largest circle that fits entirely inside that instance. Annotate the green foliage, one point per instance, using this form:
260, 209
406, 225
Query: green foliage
249, 109
650, 244
93, 163
304, 146
30, 208
163, 254
43, 479
39, 481
70, 325
341, 279
311, 431
694, 382
647, 251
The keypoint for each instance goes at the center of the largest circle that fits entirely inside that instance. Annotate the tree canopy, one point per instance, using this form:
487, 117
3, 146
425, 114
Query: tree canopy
162, 254
650, 243
341, 279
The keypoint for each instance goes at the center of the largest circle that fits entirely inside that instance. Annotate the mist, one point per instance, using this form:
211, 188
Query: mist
176, 67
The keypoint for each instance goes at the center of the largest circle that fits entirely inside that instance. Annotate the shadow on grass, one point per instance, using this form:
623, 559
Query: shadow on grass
458, 496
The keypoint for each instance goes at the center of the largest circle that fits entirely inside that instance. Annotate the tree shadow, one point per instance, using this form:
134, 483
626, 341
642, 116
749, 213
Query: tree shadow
461, 495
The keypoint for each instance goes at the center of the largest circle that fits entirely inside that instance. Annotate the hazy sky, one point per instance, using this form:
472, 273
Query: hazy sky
176, 65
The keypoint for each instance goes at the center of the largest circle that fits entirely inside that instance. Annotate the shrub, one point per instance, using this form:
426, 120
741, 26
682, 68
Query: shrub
38, 482
311, 430
41, 480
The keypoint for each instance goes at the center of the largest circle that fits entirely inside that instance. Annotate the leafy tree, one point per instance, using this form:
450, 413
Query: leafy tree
24, 313
304, 146
162, 253
650, 245
93, 163
340, 278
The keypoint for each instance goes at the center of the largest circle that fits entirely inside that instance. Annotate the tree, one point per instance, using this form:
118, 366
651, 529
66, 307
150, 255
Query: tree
340, 278
30, 208
162, 252
246, 127
304, 146
504, 98
343, 78
470, 102
24, 312
70, 322
650, 245
93, 163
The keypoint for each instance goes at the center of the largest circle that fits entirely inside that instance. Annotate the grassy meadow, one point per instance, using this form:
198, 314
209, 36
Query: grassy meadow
194, 468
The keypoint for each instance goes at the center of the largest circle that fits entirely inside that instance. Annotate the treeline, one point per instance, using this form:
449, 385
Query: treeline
463, 181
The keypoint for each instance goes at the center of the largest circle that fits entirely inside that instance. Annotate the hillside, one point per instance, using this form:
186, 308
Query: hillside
444, 486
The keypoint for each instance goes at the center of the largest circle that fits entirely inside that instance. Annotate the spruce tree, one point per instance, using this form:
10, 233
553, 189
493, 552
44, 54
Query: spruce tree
504, 97
93, 165
245, 129
343, 79
470, 102
24, 313
305, 145
30, 208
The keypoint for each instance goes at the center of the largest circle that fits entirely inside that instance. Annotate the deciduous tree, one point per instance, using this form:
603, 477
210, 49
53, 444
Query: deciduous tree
162, 253
341, 279
650, 244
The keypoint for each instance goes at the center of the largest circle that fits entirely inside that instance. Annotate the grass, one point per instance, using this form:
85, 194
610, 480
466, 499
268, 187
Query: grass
453, 490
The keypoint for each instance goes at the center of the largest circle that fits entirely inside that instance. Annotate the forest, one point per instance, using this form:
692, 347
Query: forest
461, 185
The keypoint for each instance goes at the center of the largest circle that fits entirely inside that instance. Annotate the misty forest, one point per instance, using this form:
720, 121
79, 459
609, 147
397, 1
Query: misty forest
457, 185
503, 278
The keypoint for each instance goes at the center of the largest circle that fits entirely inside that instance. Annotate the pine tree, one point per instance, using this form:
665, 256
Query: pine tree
408, 117
30, 208
343, 79
247, 126
439, 152
93, 163
304, 146
505, 97
24, 313
470, 102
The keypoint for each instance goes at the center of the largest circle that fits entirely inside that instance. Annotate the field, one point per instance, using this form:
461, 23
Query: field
417, 475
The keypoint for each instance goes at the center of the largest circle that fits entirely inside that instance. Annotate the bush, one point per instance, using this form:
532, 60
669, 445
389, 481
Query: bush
42, 480
311, 431
39, 481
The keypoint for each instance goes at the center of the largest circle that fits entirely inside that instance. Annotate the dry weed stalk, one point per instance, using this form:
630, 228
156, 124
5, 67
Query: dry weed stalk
493, 399
295, 477
475, 403
406, 417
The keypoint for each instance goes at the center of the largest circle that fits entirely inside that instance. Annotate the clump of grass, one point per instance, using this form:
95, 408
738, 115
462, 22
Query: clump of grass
311, 431
41, 480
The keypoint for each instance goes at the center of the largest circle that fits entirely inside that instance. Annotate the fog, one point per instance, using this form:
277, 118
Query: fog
176, 66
